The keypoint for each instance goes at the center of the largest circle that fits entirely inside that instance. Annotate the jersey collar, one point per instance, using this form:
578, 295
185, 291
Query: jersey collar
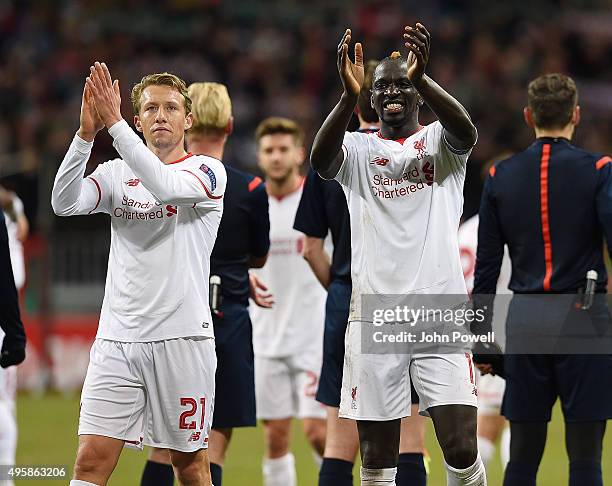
181, 159
399, 140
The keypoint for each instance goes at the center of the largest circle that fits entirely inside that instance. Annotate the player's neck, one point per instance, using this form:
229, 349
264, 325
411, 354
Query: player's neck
280, 188
565, 132
402, 131
210, 148
365, 125
170, 154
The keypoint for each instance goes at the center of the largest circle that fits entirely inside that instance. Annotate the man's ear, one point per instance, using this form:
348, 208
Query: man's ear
576, 116
230, 126
302, 155
137, 123
528, 116
188, 121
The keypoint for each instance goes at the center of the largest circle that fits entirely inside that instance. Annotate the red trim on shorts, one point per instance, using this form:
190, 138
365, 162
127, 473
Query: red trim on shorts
603, 161
181, 159
205, 188
99, 194
469, 359
134, 442
254, 183
545, 215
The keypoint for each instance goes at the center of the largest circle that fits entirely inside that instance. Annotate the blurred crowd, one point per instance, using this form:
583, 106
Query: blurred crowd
279, 58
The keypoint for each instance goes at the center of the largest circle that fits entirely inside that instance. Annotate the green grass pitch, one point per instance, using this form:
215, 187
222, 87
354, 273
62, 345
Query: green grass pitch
47, 435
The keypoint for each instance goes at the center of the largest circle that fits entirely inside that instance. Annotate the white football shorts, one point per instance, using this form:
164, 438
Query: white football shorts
159, 394
490, 394
286, 387
377, 386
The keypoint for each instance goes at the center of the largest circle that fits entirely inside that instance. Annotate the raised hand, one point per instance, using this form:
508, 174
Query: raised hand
105, 93
417, 41
351, 73
90, 121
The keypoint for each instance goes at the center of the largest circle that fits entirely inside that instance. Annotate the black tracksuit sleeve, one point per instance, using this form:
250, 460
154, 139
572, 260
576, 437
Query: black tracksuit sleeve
603, 202
259, 222
10, 319
490, 251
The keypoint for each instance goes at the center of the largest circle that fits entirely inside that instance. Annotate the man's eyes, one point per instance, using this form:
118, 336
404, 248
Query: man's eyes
402, 85
169, 107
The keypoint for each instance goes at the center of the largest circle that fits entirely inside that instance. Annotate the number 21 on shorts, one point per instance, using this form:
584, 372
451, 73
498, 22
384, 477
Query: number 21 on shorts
192, 404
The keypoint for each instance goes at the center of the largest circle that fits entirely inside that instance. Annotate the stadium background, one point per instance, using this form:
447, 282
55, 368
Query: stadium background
277, 58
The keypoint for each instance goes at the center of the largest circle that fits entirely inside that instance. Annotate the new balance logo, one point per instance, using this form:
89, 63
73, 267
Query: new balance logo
379, 161
132, 182
195, 437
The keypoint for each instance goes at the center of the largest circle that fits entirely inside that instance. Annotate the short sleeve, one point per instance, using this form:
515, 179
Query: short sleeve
448, 159
259, 219
311, 217
17, 206
353, 150
603, 198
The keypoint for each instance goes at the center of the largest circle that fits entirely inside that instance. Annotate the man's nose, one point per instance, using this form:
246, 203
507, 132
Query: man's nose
160, 115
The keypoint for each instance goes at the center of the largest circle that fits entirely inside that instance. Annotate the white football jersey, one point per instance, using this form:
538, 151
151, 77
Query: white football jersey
468, 243
405, 198
15, 246
164, 221
295, 323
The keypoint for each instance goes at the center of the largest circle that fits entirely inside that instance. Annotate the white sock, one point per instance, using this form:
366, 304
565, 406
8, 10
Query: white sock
280, 471
486, 449
8, 434
378, 477
474, 475
78, 482
504, 447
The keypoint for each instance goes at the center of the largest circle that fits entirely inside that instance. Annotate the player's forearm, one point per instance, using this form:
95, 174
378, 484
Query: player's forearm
321, 270
327, 145
70, 196
167, 185
318, 259
452, 115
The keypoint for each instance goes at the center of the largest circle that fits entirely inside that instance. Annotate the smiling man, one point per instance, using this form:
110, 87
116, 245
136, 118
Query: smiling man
151, 373
404, 189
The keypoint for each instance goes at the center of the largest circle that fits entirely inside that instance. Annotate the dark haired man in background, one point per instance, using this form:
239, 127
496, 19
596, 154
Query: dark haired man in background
552, 205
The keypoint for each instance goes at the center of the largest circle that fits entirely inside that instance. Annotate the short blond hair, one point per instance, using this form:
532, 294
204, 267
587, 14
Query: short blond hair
160, 79
211, 107
275, 124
